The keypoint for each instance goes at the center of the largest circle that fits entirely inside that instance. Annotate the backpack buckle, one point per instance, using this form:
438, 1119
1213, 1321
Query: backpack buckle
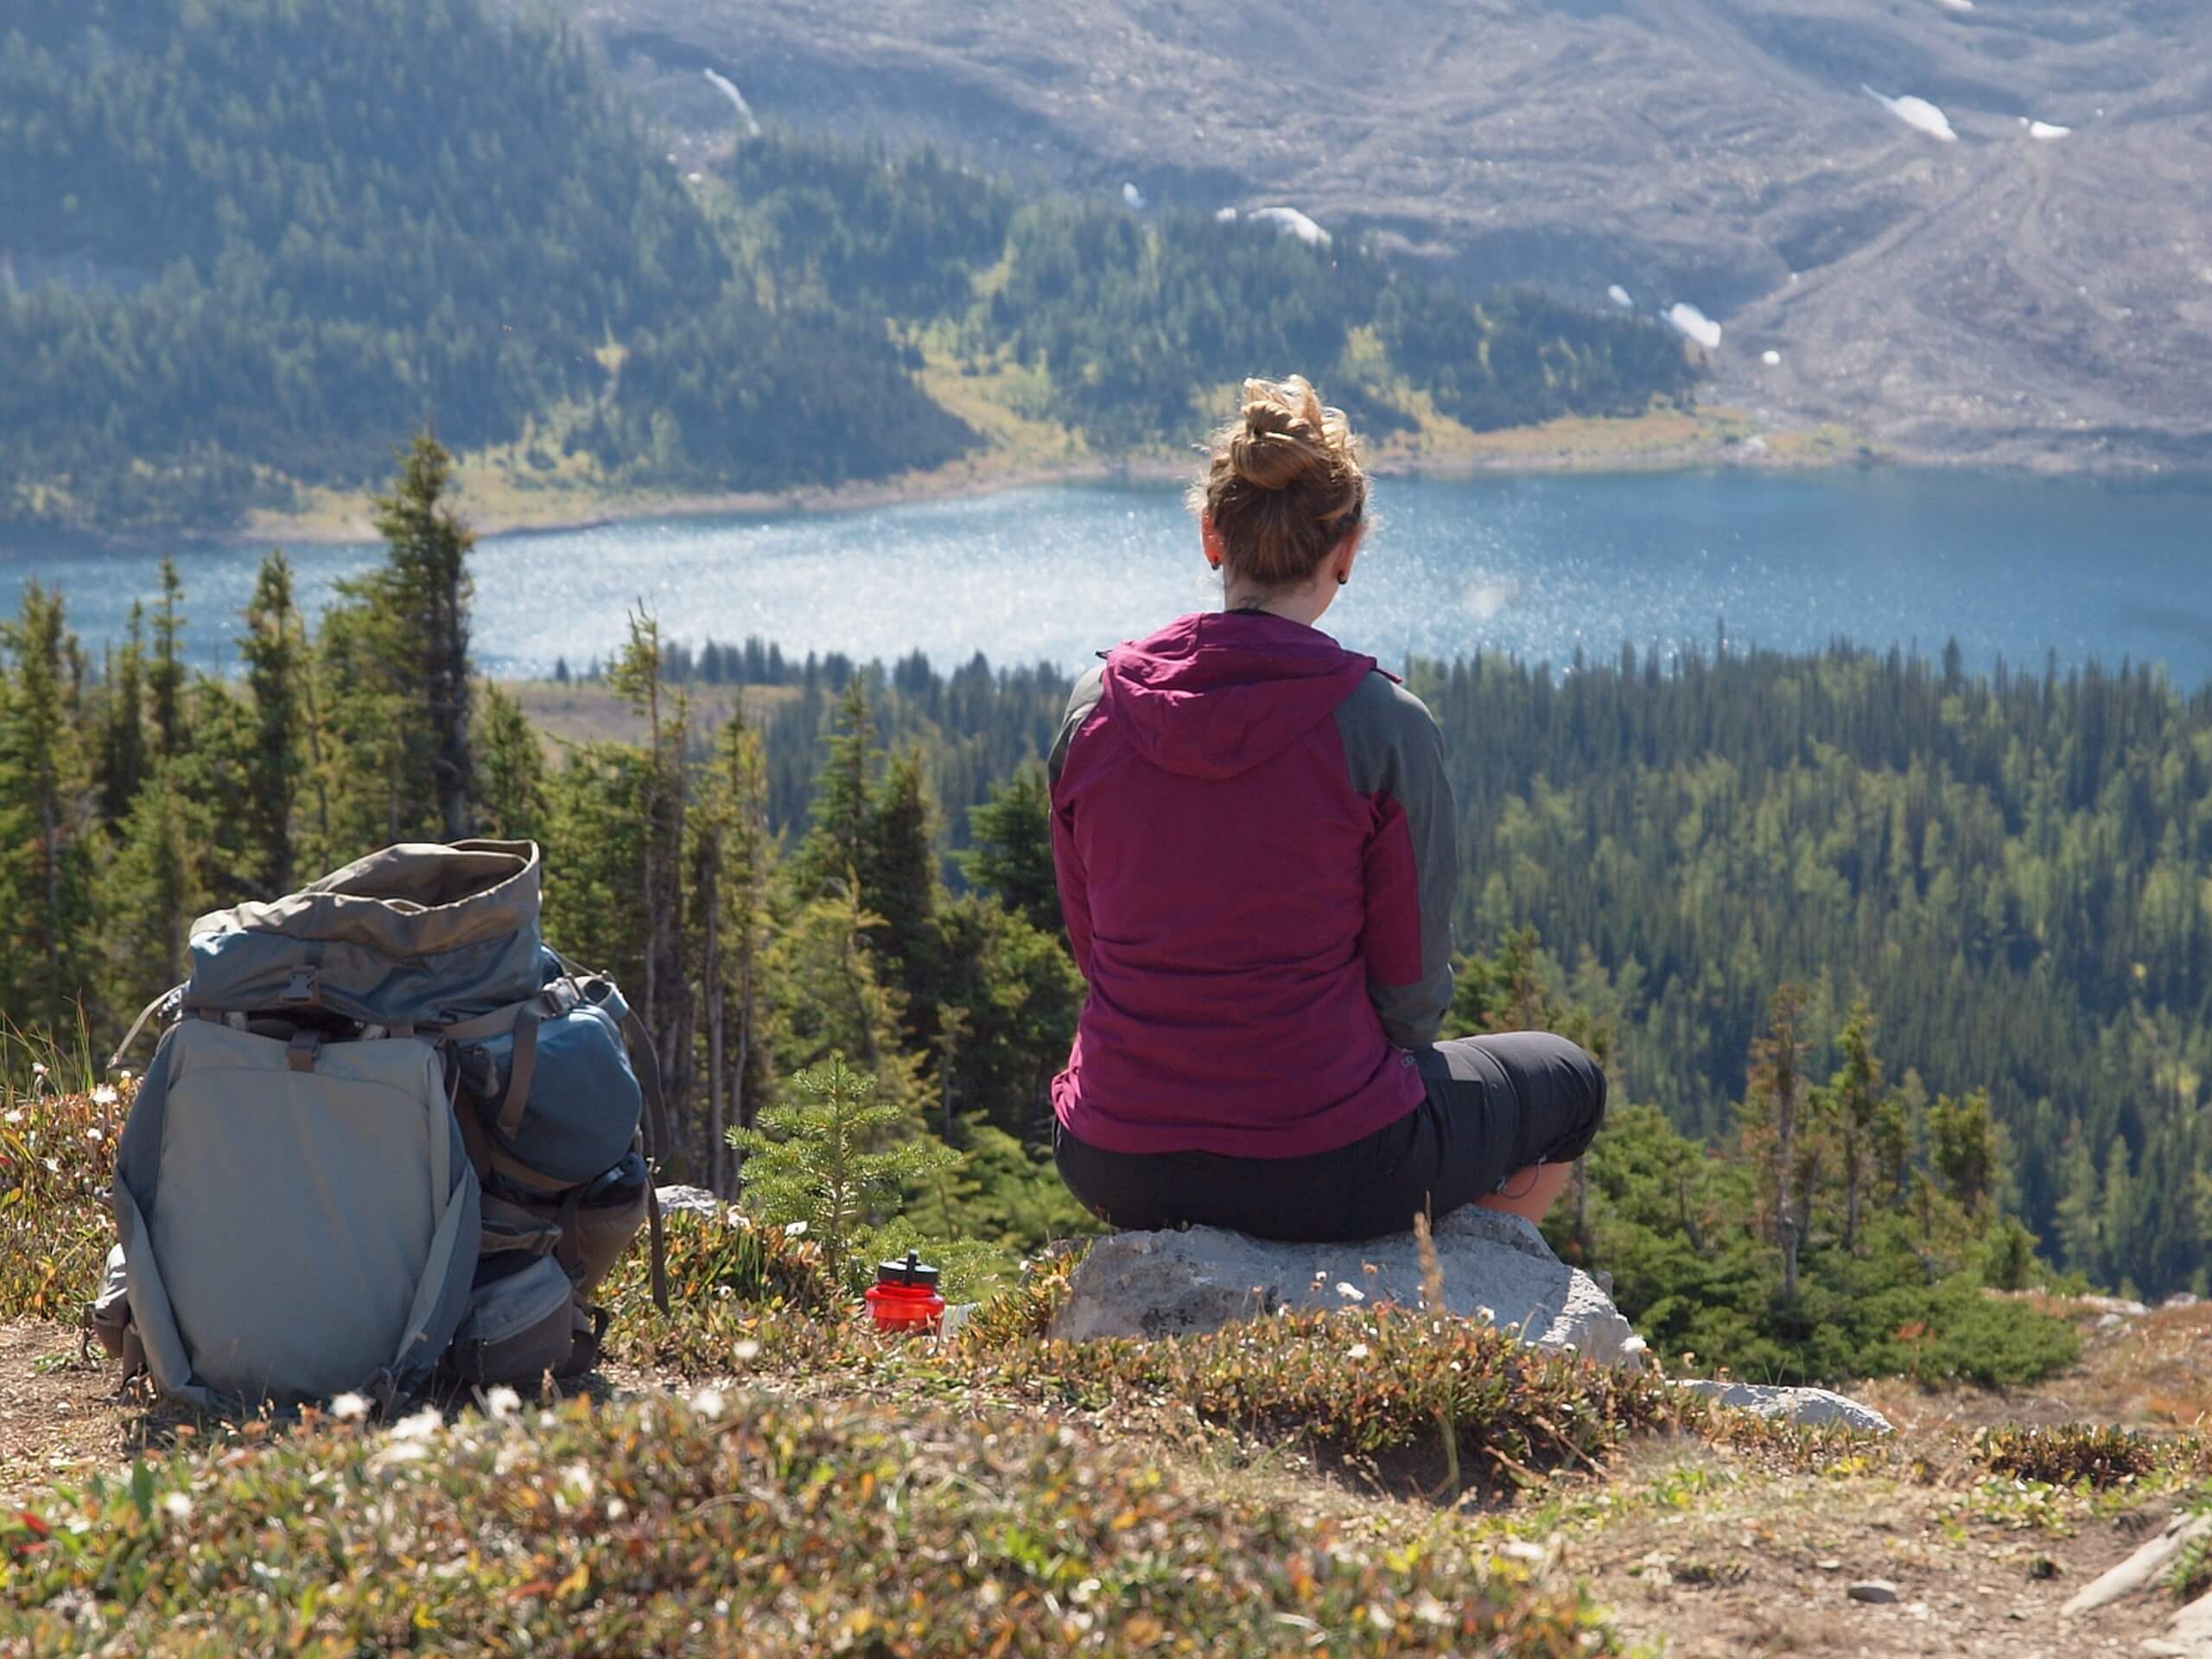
301, 987
301, 1051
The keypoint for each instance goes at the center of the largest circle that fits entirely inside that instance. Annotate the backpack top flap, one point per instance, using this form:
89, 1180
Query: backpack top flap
418, 934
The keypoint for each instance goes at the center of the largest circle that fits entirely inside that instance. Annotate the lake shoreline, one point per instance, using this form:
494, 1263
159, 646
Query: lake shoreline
957, 484
1711, 438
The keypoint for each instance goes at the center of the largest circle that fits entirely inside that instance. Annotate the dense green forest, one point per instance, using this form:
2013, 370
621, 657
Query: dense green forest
1900, 973
242, 242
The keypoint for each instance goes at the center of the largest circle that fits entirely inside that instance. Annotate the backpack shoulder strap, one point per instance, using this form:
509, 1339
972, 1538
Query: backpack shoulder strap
172, 998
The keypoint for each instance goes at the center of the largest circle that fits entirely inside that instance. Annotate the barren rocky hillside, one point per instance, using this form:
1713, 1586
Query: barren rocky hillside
1998, 295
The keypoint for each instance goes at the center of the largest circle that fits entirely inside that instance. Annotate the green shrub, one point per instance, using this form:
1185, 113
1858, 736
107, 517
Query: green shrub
754, 1525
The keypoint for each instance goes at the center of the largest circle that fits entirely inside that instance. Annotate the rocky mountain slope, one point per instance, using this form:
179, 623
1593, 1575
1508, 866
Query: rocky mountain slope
1995, 295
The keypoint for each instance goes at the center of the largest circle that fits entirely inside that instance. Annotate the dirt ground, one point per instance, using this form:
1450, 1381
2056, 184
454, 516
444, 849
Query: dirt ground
58, 1412
1701, 1553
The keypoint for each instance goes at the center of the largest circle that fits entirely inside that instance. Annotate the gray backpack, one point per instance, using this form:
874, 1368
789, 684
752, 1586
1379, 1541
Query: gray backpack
388, 1139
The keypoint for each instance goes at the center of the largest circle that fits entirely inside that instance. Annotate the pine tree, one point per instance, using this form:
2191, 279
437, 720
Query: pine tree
122, 765
1773, 1112
45, 862
1012, 855
397, 694
1856, 1093
899, 883
836, 844
665, 1004
823, 996
148, 897
835, 1158
2080, 1224
428, 549
275, 647
1962, 1149
731, 859
165, 681
511, 803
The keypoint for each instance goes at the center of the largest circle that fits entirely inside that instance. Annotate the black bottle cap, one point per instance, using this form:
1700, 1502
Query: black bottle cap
912, 1271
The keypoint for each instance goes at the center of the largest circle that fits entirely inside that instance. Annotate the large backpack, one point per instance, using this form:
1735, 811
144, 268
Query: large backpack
388, 1139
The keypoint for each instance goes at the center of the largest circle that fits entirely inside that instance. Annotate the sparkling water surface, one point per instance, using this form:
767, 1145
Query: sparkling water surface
1537, 566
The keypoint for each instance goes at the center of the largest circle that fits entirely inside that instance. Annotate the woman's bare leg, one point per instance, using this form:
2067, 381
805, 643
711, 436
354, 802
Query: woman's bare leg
1529, 1192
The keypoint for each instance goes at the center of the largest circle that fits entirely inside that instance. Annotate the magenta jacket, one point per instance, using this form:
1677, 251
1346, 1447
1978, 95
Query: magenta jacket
1253, 835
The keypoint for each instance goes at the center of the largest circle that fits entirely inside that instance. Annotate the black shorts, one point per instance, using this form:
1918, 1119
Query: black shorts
1495, 1105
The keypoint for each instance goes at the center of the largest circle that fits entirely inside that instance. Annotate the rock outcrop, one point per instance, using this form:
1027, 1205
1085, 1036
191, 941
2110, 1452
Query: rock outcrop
1496, 1268
1814, 1408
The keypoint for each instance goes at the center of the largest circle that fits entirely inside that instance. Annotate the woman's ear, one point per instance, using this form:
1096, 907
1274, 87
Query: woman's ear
1210, 539
1347, 551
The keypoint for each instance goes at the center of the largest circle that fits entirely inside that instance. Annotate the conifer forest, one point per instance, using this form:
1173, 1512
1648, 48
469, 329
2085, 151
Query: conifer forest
1900, 972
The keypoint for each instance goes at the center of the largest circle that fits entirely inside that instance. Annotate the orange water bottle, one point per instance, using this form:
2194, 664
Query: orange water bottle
904, 1297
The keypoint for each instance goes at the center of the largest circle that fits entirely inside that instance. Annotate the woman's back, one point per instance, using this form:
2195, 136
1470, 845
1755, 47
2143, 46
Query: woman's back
1237, 800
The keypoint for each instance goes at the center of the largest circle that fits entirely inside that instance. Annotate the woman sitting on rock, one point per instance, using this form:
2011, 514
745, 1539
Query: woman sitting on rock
1253, 838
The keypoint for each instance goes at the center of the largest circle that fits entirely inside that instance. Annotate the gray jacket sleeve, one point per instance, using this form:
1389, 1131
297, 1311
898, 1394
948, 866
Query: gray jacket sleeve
1075, 890
1395, 756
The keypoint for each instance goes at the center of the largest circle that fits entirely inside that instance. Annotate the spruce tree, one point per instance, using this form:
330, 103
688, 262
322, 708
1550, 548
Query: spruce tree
1011, 855
899, 883
731, 860
429, 590
165, 681
1773, 1114
835, 1158
511, 803
122, 765
1856, 1092
665, 1002
836, 844
149, 897
396, 694
275, 647
46, 870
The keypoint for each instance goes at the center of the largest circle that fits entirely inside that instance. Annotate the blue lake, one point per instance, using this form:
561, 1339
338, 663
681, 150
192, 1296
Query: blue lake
1536, 566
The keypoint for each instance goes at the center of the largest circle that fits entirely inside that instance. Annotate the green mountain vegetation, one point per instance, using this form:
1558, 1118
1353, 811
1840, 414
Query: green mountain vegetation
1885, 960
242, 242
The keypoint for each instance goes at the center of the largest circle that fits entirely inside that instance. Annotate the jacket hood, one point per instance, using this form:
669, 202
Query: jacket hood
1215, 694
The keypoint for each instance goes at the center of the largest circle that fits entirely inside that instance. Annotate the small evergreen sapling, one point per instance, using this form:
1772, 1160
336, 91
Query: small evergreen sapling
833, 1157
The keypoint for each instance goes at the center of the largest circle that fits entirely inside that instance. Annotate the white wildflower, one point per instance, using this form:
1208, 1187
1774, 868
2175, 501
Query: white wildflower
16, 1116
1350, 1292
346, 1407
38, 1068
125, 1075
177, 1507
579, 1479
616, 1508
502, 1401
1357, 1350
92, 1134
106, 1094
795, 1230
420, 1427
708, 1402
747, 1352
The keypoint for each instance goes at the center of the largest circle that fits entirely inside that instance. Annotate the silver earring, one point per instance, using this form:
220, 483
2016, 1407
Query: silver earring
1341, 580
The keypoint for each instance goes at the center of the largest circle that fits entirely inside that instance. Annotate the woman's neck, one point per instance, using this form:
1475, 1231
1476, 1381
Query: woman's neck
1302, 605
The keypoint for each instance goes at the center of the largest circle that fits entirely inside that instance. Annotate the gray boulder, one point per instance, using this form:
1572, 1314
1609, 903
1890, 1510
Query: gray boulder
1496, 1268
1815, 1408
693, 1200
